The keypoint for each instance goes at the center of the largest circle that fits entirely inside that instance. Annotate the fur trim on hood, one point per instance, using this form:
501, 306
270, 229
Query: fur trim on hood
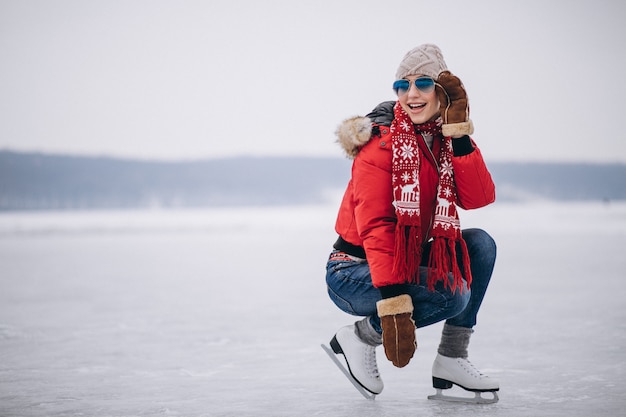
353, 133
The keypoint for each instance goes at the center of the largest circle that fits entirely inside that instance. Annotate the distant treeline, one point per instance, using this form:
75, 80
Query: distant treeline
31, 181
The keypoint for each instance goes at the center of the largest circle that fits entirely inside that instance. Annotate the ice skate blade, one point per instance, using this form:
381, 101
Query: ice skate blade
477, 399
365, 393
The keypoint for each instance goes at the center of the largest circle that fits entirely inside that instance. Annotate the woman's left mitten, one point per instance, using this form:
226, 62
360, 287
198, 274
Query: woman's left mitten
454, 106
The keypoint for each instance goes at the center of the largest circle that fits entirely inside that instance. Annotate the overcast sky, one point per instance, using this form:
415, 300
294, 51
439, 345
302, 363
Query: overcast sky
195, 79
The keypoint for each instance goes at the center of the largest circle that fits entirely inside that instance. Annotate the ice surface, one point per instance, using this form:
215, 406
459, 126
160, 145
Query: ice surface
222, 312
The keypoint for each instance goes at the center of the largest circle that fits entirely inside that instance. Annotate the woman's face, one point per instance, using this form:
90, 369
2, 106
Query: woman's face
421, 107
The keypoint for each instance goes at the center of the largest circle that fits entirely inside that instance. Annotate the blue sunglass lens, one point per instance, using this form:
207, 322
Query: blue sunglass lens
401, 86
425, 84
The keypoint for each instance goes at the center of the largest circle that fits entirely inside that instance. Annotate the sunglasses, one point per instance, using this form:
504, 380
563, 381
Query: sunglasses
424, 84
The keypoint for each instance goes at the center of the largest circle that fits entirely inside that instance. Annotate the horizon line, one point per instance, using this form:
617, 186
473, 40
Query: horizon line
340, 156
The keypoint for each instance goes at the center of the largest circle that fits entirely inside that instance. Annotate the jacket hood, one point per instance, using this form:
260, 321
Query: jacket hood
353, 134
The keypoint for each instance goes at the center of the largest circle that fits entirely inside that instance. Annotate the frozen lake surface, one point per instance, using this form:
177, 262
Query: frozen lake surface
221, 313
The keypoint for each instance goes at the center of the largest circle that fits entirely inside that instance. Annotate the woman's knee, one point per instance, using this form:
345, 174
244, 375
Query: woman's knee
478, 241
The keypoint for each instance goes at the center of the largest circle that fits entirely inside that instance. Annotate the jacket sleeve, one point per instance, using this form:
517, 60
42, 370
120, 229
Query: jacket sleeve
374, 216
474, 185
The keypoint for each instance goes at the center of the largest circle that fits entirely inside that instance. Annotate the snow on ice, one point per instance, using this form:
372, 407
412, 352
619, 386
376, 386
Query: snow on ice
221, 313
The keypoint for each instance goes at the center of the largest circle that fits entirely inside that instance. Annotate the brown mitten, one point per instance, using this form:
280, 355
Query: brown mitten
454, 106
398, 328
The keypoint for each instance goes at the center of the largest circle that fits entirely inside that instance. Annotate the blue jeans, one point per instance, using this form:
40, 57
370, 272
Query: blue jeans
350, 287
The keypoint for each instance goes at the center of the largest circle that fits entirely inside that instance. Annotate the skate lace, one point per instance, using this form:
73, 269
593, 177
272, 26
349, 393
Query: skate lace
370, 361
471, 369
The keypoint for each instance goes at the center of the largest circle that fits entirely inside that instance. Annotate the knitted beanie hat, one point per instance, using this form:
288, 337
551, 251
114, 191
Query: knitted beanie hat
425, 59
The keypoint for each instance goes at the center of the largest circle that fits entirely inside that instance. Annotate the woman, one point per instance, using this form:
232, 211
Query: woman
401, 259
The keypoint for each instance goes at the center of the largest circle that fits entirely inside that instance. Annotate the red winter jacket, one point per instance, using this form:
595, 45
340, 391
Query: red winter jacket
367, 219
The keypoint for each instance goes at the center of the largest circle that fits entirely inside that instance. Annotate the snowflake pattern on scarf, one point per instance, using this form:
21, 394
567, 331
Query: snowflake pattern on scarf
446, 216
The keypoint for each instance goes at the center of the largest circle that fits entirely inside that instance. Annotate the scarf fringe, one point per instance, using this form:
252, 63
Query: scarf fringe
466, 263
442, 261
408, 253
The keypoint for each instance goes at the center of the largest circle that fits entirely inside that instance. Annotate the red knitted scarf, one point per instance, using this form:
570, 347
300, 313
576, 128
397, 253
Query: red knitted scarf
446, 228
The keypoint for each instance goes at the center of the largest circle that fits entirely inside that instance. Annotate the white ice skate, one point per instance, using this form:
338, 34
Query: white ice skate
360, 358
461, 372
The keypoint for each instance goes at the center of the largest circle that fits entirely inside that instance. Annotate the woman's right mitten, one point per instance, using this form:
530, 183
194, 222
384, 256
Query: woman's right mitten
398, 328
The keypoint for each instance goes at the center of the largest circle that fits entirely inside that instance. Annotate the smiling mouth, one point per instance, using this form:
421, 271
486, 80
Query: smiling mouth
417, 106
